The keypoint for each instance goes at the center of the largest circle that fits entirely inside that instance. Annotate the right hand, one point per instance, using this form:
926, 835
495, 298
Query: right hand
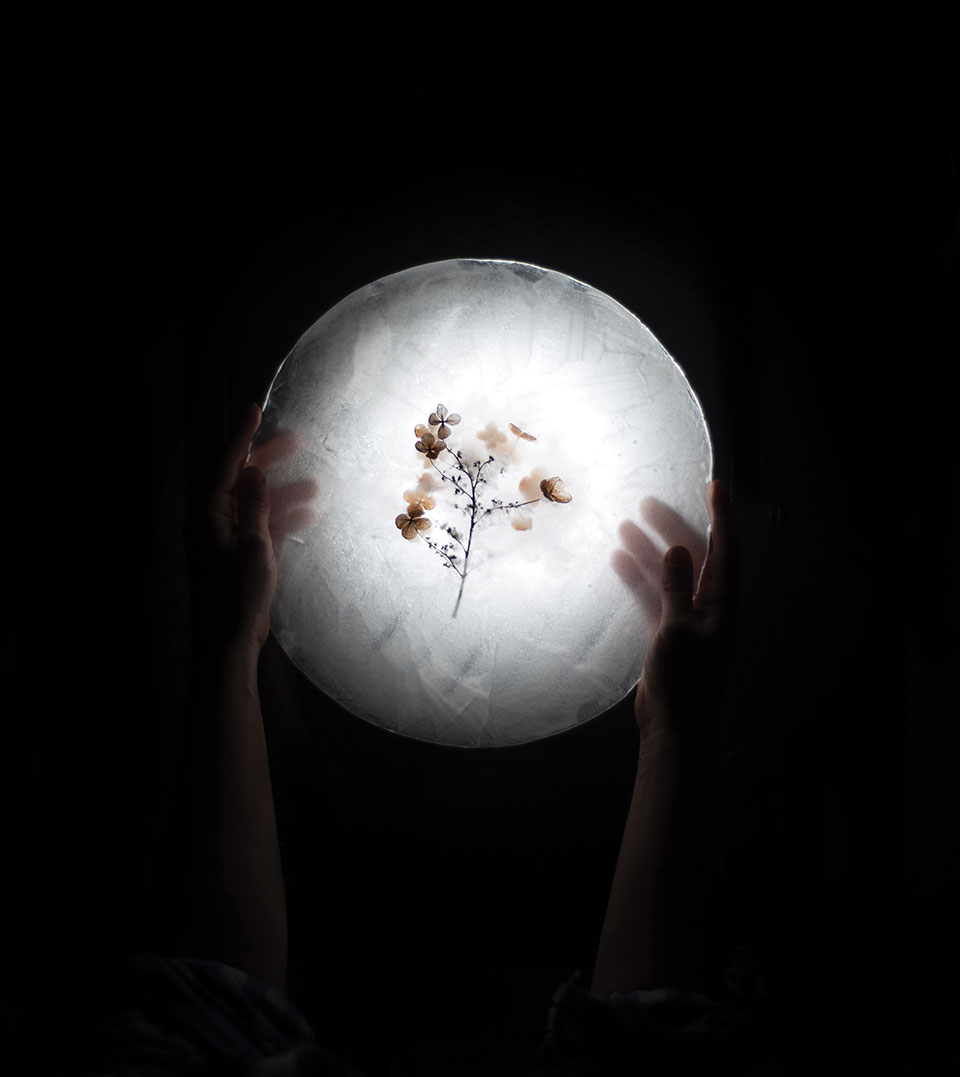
686, 664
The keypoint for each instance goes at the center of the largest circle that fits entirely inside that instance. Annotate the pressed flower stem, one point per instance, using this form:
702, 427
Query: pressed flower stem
457, 541
512, 505
476, 511
443, 553
449, 478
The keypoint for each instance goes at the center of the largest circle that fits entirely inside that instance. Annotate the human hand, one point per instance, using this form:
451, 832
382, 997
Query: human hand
686, 661
239, 514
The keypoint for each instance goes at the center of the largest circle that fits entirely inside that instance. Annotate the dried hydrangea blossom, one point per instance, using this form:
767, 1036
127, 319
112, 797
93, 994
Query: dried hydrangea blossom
529, 485
418, 499
468, 477
492, 436
430, 445
411, 523
552, 489
444, 419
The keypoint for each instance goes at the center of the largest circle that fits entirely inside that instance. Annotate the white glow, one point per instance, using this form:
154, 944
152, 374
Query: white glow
547, 634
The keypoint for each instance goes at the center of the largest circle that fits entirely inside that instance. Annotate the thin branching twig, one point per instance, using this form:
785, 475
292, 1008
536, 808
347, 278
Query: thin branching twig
468, 479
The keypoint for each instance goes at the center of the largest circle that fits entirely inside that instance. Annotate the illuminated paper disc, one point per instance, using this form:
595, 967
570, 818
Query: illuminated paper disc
564, 398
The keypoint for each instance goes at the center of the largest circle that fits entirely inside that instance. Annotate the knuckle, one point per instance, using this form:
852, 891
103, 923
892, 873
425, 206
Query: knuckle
255, 544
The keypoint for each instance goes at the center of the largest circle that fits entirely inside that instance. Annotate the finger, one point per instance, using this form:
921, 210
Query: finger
253, 507
715, 578
676, 585
235, 454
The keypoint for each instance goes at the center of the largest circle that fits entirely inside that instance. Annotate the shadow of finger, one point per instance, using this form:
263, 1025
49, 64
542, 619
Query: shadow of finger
643, 585
292, 509
673, 528
641, 548
275, 448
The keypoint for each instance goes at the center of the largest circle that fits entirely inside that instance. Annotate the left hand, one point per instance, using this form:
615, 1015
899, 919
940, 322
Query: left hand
239, 514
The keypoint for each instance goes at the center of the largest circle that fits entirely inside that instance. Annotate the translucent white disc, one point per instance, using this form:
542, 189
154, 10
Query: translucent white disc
547, 634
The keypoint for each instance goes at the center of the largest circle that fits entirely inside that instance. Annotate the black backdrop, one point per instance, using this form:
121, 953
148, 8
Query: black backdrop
789, 234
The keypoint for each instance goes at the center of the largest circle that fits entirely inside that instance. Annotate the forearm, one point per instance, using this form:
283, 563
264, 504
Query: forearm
654, 919
237, 902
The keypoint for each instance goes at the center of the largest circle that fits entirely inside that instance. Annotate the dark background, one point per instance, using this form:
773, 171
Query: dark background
788, 231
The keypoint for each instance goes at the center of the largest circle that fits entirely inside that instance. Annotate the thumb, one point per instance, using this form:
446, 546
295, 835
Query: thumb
253, 506
676, 584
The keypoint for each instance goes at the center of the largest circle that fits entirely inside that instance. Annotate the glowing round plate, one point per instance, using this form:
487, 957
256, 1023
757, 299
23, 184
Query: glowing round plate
534, 631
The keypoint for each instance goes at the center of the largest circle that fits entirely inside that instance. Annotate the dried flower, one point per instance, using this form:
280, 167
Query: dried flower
529, 485
469, 474
418, 500
552, 489
444, 419
521, 433
412, 523
430, 445
492, 436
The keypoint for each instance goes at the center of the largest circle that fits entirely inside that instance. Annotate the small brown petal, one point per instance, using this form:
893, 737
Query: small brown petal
452, 420
444, 431
522, 523
552, 489
418, 501
412, 528
434, 419
420, 430
402, 520
521, 433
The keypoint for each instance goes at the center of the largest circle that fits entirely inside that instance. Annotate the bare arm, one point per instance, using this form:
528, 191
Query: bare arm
233, 908
654, 916
655, 910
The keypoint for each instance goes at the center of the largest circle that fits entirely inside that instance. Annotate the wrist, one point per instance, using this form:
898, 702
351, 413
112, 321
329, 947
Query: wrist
242, 648
663, 751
